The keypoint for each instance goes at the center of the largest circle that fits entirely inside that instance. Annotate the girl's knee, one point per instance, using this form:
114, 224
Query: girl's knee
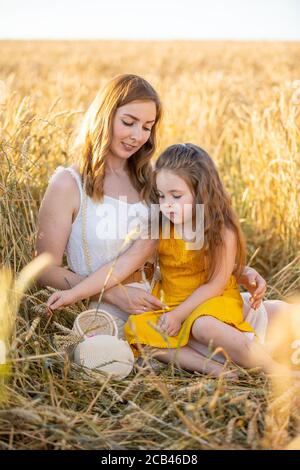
203, 328
209, 329
242, 345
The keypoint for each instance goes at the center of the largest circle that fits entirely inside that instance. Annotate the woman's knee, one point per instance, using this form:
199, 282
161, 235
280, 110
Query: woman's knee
275, 308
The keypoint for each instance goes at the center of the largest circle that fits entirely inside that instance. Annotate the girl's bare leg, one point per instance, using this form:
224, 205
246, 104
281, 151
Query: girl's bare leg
246, 353
189, 359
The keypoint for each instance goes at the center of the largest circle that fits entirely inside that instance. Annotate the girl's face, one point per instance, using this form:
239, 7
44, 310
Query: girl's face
175, 197
132, 126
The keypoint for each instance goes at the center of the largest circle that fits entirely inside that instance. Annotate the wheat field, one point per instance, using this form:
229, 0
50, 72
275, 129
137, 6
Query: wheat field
239, 101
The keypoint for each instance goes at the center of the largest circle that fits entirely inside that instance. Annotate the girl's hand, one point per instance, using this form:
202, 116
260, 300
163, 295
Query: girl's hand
255, 285
170, 323
132, 300
61, 299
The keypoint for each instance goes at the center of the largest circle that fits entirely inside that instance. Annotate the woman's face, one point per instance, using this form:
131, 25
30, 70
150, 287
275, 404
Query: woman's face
175, 197
132, 126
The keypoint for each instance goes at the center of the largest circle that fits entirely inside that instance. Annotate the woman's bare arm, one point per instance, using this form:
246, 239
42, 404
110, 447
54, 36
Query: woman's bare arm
254, 283
54, 227
57, 210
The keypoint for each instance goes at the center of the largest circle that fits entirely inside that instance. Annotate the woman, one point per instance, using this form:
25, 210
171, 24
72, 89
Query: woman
114, 150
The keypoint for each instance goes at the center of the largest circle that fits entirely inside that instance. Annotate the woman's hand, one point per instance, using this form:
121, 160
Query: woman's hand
170, 323
132, 300
255, 284
61, 299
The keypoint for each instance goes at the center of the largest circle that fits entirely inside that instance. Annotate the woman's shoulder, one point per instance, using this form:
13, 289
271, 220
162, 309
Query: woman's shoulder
64, 179
63, 190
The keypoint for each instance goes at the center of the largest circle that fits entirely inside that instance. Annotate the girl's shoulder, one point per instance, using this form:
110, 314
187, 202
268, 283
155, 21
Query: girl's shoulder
230, 237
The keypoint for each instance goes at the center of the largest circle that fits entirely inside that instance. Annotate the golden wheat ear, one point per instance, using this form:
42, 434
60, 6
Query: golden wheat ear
11, 293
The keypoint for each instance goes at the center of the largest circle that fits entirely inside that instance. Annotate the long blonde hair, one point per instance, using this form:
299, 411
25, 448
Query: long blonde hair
95, 135
198, 170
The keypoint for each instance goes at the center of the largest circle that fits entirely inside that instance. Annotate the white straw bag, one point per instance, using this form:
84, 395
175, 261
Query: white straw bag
105, 353
101, 349
93, 344
92, 322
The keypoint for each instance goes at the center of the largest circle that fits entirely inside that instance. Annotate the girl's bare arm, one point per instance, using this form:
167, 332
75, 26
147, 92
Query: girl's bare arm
118, 270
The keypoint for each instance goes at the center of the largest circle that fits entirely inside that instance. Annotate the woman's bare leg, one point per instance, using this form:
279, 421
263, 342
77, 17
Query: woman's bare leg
246, 353
279, 315
277, 311
189, 359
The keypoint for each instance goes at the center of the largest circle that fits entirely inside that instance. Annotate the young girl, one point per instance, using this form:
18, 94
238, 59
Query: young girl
200, 285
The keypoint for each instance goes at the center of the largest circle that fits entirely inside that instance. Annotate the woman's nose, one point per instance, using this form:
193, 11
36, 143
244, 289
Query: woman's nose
136, 134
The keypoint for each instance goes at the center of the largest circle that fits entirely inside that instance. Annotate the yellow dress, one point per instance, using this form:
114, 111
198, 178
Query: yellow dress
182, 272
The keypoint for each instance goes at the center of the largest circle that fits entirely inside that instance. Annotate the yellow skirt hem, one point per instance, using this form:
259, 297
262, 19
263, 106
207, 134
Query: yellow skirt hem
180, 340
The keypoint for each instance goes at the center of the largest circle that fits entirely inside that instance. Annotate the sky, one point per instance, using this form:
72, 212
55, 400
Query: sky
150, 19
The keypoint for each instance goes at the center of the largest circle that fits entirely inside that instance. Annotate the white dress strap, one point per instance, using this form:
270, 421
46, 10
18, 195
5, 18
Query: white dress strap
75, 175
57, 170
